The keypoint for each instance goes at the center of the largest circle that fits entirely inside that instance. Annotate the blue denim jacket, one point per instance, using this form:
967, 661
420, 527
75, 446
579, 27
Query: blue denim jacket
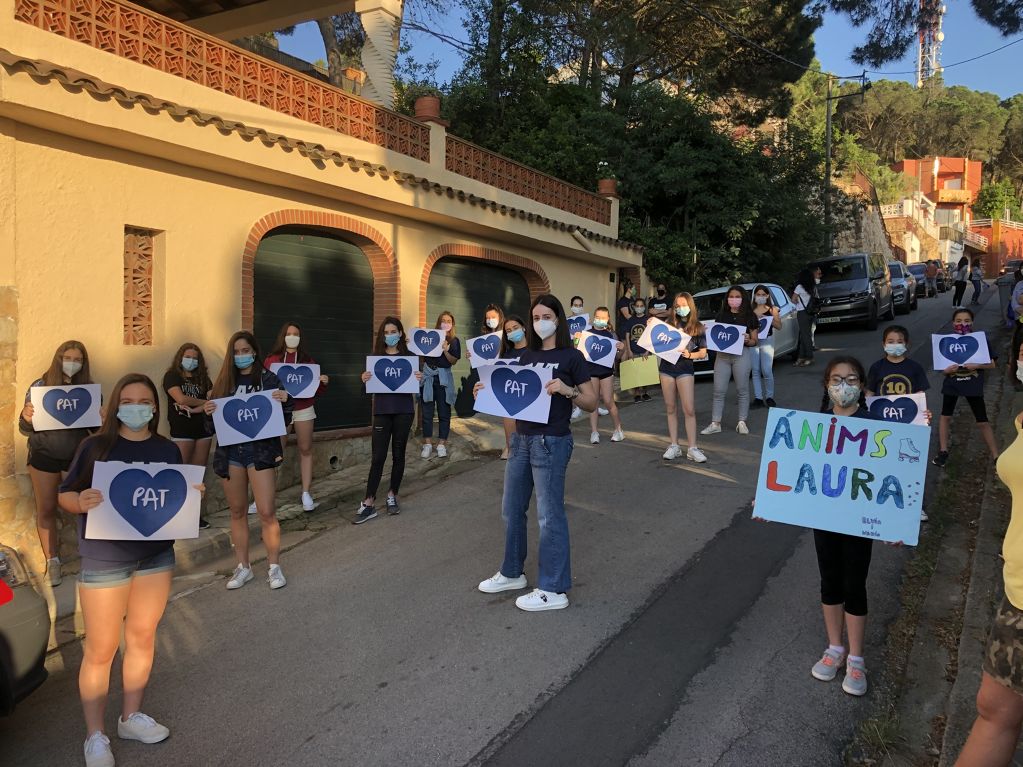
446, 379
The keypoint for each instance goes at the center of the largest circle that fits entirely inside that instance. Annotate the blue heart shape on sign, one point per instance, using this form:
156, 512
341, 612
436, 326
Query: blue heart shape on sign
427, 340
248, 416
664, 338
67, 406
515, 389
725, 337
900, 409
487, 347
764, 322
958, 348
393, 373
148, 503
295, 378
598, 347
576, 325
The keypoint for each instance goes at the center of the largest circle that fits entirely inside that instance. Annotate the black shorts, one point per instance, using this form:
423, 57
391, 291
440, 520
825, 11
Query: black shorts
948, 406
43, 462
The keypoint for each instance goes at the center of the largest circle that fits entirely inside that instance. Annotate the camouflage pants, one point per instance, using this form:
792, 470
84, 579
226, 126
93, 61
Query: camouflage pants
1004, 657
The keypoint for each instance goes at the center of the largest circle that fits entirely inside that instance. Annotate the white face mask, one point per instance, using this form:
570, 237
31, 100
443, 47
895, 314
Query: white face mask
577, 309
545, 328
292, 341
492, 323
70, 368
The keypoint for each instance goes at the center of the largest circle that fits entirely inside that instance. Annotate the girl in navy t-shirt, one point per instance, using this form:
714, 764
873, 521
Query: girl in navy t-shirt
600, 376
678, 382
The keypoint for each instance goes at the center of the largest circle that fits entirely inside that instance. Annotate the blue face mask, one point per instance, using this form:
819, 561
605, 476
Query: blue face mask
189, 363
600, 324
391, 339
242, 361
135, 417
516, 336
682, 311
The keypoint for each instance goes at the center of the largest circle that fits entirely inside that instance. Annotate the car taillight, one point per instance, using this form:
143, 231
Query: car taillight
12, 571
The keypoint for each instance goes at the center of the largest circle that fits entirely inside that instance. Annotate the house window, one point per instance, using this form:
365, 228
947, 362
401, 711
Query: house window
138, 286
954, 183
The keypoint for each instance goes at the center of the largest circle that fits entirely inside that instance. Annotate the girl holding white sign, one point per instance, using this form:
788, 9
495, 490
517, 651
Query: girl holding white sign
123, 584
735, 310
439, 387
290, 349
763, 355
601, 379
250, 463
186, 384
512, 344
678, 382
50, 452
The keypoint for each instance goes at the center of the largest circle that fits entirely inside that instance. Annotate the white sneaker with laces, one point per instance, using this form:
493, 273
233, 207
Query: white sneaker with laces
602, 411
618, 435
673, 452
442, 451
714, 428
538, 599
308, 504
276, 578
742, 428
53, 570
427, 451
252, 508
576, 413
97, 751
142, 728
594, 437
696, 455
498, 583
242, 575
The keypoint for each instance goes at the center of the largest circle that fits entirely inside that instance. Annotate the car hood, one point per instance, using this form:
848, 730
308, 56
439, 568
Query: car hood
841, 288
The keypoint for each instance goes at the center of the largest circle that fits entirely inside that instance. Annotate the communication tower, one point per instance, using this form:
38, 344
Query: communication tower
928, 59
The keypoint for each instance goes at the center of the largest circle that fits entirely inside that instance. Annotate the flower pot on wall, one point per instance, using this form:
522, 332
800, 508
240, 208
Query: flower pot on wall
607, 187
428, 108
355, 75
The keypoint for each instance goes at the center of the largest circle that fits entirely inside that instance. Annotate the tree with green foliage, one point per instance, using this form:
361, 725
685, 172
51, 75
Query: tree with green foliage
997, 199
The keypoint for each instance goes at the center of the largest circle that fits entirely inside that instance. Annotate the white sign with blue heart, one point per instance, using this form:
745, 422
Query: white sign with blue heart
726, 338
901, 408
577, 323
248, 418
300, 380
484, 350
392, 374
66, 407
427, 342
515, 391
960, 349
663, 340
600, 350
145, 501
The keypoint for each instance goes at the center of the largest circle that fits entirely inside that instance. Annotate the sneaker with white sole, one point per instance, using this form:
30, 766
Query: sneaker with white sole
538, 599
427, 451
696, 455
143, 728
276, 578
53, 570
442, 451
603, 411
365, 514
594, 437
855, 682
714, 428
673, 452
923, 516
742, 428
242, 575
498, 583
392, 506
308, 504
97, 751
827, 667
618, 435
577, 413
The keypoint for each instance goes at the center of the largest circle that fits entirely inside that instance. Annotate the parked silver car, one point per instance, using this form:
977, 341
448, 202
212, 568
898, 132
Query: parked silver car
24, 632
903, 287
786, 338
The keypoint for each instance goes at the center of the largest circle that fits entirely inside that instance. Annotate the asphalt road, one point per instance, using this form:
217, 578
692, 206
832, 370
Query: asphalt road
688, 641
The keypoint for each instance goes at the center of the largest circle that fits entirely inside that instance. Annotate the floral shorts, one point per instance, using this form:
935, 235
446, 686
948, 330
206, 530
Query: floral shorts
1003, 659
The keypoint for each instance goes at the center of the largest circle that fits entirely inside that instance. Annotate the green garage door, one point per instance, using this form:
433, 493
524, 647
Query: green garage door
464, 287
326, 285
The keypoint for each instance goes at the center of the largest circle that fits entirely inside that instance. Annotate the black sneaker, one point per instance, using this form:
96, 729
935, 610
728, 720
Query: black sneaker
757, 403
204, 524
940, 459
637, 399
646, 397
392, 506
771, 403
366, 513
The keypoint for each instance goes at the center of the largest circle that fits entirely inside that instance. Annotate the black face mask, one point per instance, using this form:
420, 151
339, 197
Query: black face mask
661, 292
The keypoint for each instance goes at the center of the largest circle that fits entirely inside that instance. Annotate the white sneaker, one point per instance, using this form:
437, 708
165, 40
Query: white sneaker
252, 508
442, 451
142, 728
714, 428
242, 575
538, 599
742, 428
576, 413
53, 570
497, 583
276, 578
618, 435
595, 438
673, 452
308, 504
602, 411
427, 451
696, 455
97, 751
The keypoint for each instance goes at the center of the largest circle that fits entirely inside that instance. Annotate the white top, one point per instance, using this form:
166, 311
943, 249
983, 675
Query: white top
803, 296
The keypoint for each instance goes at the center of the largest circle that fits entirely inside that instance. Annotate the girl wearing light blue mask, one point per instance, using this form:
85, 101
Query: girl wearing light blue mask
187, 385
678, 379
512, 344
600, 376
769, 318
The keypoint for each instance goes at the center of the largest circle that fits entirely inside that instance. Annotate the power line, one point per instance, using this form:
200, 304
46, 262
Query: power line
954, 64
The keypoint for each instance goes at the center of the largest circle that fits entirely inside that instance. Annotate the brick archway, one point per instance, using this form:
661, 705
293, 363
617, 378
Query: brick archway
378, 251
534, 275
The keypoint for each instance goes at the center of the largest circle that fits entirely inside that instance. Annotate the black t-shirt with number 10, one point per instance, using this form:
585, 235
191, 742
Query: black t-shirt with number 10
892, 379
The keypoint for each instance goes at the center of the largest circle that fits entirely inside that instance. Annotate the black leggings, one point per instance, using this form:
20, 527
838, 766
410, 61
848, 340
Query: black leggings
393, 430
843, 561
948, 406
957, 297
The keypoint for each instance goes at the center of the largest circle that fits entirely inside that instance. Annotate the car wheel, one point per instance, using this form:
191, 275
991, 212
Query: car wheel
903, 308
891, 310
871, 321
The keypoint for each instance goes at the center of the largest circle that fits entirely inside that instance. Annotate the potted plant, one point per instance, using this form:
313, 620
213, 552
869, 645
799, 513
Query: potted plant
425, 100
607, 180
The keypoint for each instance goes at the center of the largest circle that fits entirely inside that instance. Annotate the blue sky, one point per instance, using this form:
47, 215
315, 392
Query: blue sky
965, 36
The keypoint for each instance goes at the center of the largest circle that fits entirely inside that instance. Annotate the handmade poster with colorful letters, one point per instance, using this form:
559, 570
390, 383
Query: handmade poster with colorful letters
577, 323
956, 349
66, 407
392, 375
764, 328
145, 501
483, 350
515, 391
599, 350
725, 338
248, 418
903, 408
639, 371
663, 340
427, 342
300, 380
855, 476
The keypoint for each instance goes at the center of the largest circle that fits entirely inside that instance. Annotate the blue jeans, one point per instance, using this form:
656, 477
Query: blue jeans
443, 413
763, 367
539, 462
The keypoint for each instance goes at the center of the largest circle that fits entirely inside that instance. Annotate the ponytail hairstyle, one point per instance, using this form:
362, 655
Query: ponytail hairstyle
54, 375
227, 379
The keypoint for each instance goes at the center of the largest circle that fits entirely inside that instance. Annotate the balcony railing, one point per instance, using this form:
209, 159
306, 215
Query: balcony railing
976, 240
987, 223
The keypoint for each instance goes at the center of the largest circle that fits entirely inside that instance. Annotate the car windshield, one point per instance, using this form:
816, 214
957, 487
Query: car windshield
708, 306
914, 268
841, 269
896, 270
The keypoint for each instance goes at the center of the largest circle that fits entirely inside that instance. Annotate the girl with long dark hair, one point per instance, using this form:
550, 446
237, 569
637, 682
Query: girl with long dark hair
804, 297
763, 355
439, 387
959, 278
735, 310
512, 343
187, 384
678, 382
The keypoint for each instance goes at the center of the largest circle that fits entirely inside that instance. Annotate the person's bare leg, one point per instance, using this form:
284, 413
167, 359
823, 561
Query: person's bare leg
594, 414
834, 620
944, 424
687, 395
44, 488
187, 449
103, 611
855, 628
264, 491
670, 407
304, 434
607, 393
996, 729
147, 599
236, 491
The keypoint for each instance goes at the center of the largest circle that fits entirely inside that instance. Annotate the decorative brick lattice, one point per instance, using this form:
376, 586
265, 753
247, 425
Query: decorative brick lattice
138, 286
477, 163
133, 33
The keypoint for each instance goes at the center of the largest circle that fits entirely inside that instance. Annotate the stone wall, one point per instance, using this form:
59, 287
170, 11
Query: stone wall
859, 228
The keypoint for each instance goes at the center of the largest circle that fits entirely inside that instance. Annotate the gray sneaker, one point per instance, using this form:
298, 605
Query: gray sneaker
855, 682
827, 667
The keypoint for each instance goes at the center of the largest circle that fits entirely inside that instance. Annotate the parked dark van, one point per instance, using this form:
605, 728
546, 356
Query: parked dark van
856, 287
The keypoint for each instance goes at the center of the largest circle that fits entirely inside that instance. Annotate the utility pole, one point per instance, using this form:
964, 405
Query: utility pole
829, 234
